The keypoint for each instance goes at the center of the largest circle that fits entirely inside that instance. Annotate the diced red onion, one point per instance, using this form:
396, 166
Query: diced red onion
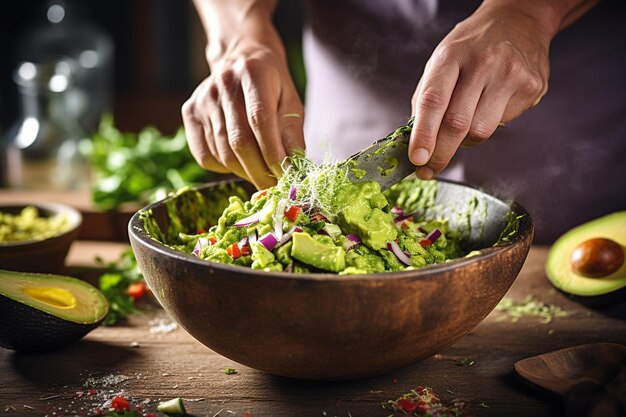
269, 241
287, 235
202, 243
434, 235
252, 237
397, 210
243, 242
405, 216
278, 218
292, 193
256, 217
252, 219
421, 229
351, 242
353, 238
393, 247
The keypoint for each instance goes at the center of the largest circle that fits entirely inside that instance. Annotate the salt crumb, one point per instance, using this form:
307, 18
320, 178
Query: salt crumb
134, 344
161, 326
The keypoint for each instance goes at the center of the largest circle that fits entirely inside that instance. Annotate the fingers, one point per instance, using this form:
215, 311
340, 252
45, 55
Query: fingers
291, 123
456, 122
240, 140
261, 93
430, 102
197, 139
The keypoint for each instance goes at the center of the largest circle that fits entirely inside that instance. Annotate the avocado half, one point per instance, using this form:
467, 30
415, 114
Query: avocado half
593, 291
41, 312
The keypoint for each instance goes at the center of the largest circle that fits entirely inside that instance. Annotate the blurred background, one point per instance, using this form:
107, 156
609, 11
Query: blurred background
63, 64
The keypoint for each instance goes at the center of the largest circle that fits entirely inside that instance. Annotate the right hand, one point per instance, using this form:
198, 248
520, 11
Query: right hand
246, 117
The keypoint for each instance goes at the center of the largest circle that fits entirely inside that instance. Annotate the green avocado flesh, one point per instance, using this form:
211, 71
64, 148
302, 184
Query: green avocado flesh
317, 220
558, 265
43, 312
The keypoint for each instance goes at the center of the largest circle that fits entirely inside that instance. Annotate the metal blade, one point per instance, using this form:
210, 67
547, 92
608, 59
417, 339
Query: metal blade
386, 161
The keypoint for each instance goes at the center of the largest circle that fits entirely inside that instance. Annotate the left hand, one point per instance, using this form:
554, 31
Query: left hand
489, 69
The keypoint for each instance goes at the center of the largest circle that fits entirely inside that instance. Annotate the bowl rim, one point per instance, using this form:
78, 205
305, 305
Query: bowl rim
138, 234
75, 218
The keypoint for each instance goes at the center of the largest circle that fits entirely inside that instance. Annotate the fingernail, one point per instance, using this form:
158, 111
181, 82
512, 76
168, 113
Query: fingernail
425, 173
420, 156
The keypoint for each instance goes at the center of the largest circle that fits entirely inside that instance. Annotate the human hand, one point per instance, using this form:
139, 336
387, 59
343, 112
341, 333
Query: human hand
488, 70
246, 116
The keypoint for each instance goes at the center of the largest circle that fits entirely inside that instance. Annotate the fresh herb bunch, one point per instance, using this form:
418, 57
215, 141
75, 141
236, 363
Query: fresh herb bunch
139, 167
115, 283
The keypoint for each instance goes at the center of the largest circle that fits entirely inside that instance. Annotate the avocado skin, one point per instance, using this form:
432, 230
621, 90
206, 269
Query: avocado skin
29, 330
604, 300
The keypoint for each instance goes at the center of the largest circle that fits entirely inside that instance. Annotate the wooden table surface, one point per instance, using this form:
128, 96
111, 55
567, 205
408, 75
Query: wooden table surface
147, 363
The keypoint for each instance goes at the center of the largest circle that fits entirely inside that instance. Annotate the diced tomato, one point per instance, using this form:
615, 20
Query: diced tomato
120, 403
292, 212
234, 251
245, 251
407, 405
259, 195
212, 240
404, 226
425, 243
137, 290
200, 231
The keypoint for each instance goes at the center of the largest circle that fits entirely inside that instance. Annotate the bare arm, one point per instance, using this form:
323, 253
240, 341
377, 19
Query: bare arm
489, 69
246, 116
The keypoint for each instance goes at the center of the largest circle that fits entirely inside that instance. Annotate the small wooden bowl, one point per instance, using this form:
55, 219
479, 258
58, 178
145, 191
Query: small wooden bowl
330, 327
47, 255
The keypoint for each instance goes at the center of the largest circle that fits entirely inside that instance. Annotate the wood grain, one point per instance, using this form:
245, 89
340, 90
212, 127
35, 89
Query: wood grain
174, 364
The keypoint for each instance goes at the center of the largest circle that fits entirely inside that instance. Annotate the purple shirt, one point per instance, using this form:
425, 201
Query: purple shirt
564, 160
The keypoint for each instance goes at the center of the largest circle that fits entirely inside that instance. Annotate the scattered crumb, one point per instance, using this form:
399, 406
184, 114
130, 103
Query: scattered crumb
529, 306
134, 344
162, 326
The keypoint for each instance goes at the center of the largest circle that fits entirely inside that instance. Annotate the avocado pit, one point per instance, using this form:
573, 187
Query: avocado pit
597, 258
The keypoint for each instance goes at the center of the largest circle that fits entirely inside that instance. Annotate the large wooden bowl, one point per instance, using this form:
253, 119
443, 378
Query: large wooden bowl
330, 327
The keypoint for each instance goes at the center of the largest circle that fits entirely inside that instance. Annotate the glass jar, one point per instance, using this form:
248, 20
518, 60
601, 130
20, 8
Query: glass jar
44, 143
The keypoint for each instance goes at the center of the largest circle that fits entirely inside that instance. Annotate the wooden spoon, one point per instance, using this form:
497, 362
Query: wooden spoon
589, 379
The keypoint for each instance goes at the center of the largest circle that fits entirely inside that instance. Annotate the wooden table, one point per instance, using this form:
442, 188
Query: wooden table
150, 366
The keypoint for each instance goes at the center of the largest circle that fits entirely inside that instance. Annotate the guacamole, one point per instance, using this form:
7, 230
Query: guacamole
314, 220
29, 225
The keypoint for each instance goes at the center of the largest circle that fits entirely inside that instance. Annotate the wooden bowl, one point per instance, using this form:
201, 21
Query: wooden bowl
330, 327
47, 255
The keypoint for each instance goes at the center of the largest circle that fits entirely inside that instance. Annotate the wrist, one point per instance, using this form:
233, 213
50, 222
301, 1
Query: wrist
547, 14
255, 29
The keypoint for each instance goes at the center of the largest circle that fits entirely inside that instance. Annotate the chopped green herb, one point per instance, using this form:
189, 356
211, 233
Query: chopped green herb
483, 405
465, 362
230, 371
529, 306
114, 284
139, 167
424, 402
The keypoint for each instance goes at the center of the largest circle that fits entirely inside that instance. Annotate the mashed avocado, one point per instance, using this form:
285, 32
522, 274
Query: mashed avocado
314, 220
29, 225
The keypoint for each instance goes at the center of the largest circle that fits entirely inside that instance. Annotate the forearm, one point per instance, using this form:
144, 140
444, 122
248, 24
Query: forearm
554, 15
230, 23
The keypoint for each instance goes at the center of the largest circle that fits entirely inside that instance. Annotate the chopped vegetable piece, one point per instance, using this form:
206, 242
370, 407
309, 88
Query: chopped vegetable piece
393, 247
292, 212
292, 192
234, 251
530, 306
137, 290
424, 402
434, 235
230, 371
173, 407
250, 220
260, 195
425, 243
269, 241
120, 403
